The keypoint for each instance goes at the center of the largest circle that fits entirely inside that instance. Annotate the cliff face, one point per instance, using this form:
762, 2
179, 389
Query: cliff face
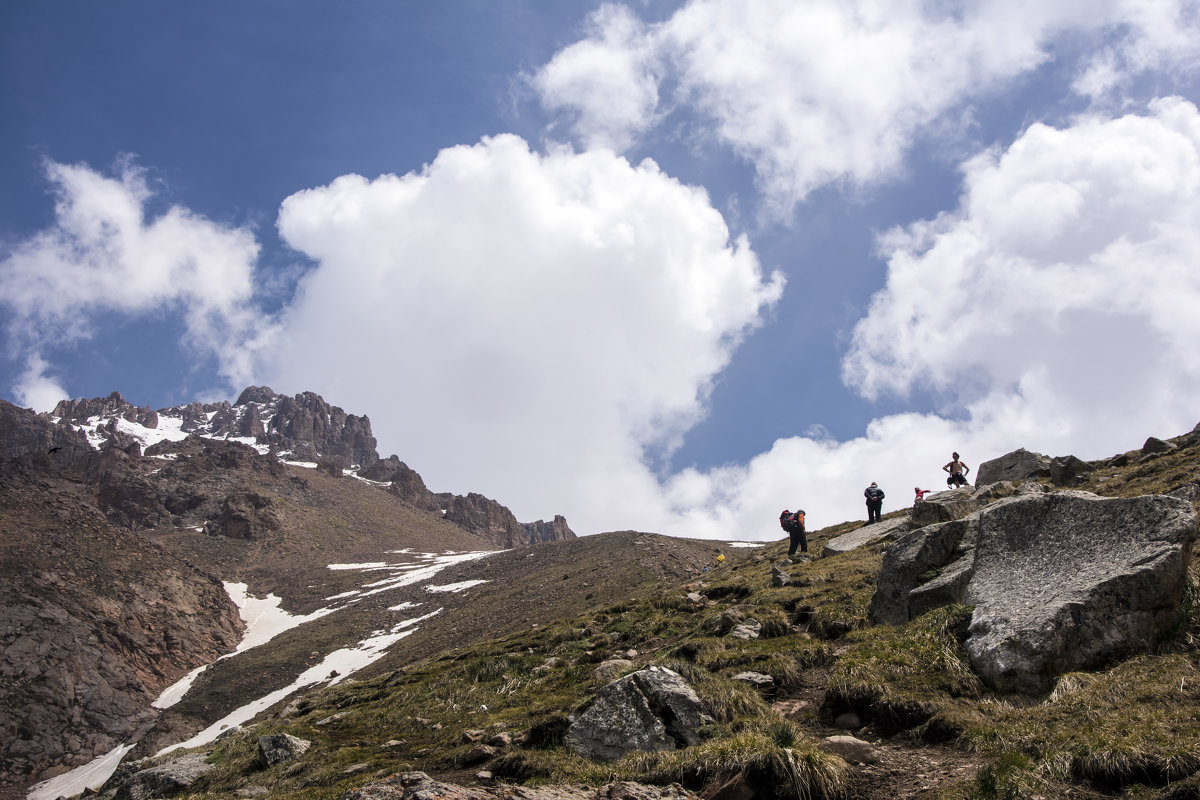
94, 623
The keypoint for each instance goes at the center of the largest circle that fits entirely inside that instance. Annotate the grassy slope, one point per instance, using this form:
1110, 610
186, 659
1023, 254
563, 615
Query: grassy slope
1131, 730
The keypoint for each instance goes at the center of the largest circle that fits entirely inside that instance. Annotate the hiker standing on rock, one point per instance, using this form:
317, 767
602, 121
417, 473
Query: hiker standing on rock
794, 525
874, 497
958, 472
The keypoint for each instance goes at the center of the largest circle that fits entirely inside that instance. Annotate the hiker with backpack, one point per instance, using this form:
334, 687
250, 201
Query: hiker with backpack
958, 472
874, 497
793, 523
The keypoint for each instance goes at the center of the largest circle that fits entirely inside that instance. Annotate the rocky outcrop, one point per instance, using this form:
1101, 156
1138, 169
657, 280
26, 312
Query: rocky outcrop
25, 434
247, 515
868, 534
94, 624
169, 778
652, 709
278, 748
1019, 465
945, 506
473, 513
1068, 470
1060, 581
419, 786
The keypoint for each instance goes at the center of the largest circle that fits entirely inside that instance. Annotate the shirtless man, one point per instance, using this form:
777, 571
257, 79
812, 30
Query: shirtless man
958, 472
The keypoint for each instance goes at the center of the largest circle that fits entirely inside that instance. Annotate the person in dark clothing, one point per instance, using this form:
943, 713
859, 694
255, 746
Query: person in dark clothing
794, 525
874, 497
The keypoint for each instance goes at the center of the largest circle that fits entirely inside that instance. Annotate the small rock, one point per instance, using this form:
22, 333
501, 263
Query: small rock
854, 750
332, 718
354, 769
479, 754
749, 629
779, 577
759, 680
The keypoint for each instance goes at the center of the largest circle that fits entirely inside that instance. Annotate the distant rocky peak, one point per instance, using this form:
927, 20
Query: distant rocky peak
301, 428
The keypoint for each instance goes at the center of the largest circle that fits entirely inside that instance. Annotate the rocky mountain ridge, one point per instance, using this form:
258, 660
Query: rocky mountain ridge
779, 679
303, 429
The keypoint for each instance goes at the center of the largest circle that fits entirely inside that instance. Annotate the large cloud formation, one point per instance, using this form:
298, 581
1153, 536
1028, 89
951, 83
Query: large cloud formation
533, 327
829, 90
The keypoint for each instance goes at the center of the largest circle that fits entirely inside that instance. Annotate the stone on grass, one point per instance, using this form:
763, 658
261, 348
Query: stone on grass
652, 709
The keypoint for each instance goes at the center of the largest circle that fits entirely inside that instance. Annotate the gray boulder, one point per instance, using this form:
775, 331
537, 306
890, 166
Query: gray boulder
652, 709
875, 532
1066, 470
1018, 465
1060, 581
1189, 492
163, 780
1069, 581
909, 564
277, 748
944, 507
1154, 445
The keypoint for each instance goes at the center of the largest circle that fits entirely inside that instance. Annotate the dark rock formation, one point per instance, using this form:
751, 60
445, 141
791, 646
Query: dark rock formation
1153, 446
1068, 470
1018, 465
24, 434
245, 515
94, 620
1060, 580
277, 748
651, 709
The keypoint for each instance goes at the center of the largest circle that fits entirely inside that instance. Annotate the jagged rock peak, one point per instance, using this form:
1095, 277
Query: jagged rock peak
256, 394
304, 427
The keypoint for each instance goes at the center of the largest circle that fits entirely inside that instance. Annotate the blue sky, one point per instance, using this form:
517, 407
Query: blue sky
664, 266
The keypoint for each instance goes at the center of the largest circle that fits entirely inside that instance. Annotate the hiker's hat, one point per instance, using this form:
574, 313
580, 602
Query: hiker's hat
873, 483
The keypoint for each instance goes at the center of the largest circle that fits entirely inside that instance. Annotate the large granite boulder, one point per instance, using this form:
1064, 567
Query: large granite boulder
652, 709
1019, 465
1060, 581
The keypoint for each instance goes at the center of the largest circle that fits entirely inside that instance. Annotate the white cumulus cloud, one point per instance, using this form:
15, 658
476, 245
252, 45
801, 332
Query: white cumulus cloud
105, 253
532, 327
826, 91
